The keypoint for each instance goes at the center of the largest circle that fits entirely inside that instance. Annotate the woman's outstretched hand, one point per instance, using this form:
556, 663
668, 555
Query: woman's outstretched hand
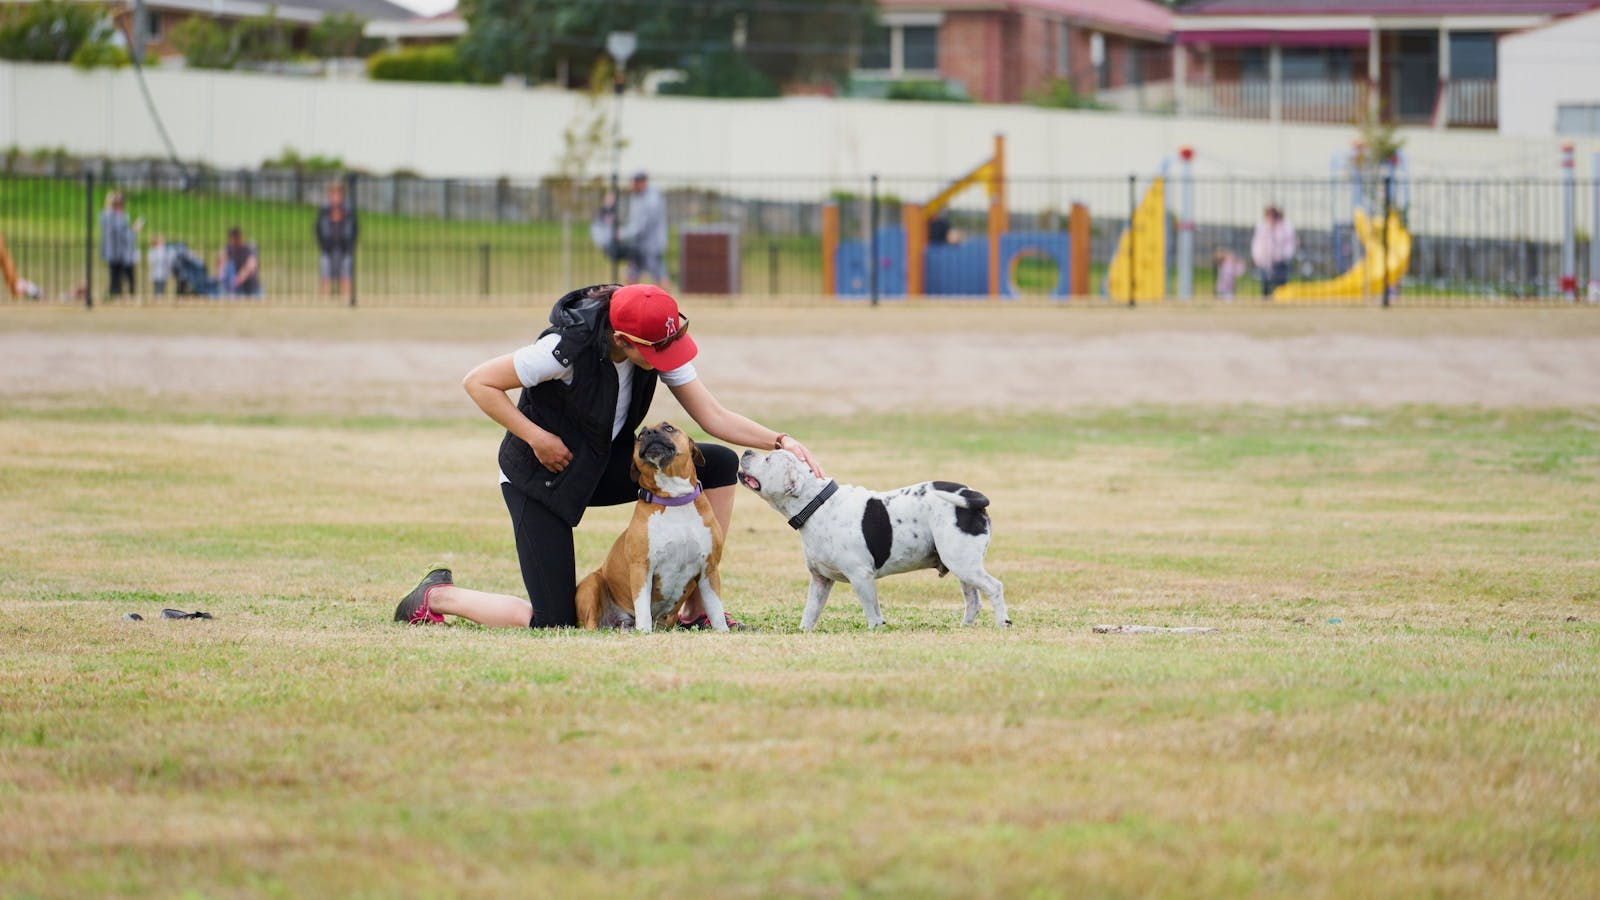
799, 450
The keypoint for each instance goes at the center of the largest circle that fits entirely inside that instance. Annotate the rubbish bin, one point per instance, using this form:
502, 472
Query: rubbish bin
709, 259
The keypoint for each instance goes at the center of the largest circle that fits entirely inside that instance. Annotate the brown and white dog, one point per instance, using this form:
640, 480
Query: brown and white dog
671, 546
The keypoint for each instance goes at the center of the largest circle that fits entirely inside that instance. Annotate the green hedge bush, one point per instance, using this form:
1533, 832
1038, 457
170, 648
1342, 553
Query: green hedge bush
430, 63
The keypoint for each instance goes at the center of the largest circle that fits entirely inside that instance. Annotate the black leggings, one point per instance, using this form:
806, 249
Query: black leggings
122, 274
544, 541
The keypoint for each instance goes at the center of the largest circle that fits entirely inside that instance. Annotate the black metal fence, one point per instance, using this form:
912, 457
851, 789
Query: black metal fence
454, 242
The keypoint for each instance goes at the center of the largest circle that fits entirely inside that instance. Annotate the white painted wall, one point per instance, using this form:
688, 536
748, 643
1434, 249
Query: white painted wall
233, 119
1544, 68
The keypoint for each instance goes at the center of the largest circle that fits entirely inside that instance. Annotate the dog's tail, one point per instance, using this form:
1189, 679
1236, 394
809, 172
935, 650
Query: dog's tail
959, 495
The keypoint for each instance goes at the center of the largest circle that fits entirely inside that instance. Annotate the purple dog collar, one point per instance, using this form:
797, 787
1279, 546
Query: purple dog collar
685, 500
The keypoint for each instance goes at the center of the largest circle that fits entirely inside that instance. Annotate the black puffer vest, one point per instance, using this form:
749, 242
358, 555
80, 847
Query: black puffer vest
580, 413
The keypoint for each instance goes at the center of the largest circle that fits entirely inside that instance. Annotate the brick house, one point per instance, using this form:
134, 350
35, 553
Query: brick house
1001, 51
1417, 62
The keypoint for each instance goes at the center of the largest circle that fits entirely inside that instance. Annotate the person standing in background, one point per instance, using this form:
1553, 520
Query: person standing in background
119, 243
646, 231
336, 239
1229, 268
239, 266
158, 261
1272, 249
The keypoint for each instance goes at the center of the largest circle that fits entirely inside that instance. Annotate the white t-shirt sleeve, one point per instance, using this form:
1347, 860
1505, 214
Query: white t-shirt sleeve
536, 363
680, 376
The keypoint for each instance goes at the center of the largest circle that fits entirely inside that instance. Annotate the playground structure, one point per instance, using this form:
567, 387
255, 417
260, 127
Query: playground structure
1138, 270
1386, 256
908, 264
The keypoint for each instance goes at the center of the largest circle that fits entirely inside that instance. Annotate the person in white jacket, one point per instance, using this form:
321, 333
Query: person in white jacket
158, 261
1272, 249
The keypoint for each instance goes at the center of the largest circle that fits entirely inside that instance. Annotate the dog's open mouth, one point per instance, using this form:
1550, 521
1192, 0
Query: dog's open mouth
749, 481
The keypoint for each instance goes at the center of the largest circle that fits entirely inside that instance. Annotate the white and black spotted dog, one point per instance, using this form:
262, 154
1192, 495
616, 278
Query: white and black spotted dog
856, 535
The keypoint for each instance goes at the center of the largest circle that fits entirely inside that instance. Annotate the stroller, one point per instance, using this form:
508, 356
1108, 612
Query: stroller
189, 273
600, 235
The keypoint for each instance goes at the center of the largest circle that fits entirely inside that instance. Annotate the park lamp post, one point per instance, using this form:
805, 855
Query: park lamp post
620, 44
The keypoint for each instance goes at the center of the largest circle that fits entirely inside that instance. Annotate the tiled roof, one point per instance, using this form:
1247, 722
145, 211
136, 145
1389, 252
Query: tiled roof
1383, 7
293, 10
1143, 16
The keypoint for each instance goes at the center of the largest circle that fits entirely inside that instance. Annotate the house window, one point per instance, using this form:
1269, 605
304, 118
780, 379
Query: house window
1578, 119
876, 52
1063, 50
1317, 64
1253, 63
920, 45
1097, 58
1472, 54
900, 45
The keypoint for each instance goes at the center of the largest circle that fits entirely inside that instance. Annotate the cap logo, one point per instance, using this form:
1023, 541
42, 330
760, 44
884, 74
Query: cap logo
672, 326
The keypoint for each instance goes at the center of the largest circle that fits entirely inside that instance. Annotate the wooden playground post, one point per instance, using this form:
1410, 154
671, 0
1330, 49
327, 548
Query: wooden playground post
916, 229
830, 245
997, 212
1078, 234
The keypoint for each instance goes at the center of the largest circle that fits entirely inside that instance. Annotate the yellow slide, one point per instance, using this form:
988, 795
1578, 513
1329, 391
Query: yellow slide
1146, 264
1367, 276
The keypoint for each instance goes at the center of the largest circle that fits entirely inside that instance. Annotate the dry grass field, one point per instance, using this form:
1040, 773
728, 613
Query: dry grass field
1391, 519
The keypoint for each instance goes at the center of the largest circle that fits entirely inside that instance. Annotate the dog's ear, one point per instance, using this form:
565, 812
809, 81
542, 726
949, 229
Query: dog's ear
698, 457
791, 481
633, 471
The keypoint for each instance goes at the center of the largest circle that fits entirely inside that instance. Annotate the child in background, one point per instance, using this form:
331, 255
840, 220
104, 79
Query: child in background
159, 259
1229, 268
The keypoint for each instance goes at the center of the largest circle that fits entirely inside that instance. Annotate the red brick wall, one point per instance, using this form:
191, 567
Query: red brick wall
1116, 62
1034, 54
1002, 57
970, 52
1083, 74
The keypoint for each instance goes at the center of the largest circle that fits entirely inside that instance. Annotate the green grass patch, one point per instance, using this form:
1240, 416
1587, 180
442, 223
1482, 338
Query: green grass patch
1395, 702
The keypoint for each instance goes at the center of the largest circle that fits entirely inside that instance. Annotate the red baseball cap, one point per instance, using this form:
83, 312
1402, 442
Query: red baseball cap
648, 317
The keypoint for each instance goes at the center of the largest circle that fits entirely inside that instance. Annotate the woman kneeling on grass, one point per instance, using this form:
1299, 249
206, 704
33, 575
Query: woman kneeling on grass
587, 383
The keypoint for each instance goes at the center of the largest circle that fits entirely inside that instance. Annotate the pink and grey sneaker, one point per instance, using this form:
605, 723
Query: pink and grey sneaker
704, 623
414, 610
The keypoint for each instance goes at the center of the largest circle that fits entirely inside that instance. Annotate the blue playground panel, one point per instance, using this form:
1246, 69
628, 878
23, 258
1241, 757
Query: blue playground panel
957, 269
850, 270
1053, 245
951, 270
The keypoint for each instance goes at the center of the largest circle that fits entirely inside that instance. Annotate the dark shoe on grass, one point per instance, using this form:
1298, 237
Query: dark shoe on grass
413, 610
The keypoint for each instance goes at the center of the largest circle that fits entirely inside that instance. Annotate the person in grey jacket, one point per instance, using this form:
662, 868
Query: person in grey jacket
646, 231
336, 241
119, 243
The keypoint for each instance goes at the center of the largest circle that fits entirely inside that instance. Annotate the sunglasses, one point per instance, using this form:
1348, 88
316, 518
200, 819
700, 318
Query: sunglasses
664, 343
